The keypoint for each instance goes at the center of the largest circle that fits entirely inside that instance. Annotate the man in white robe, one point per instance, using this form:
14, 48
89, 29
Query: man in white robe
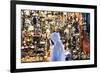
57, 52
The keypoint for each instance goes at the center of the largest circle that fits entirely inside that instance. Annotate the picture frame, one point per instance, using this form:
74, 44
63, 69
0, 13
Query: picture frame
17, 9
